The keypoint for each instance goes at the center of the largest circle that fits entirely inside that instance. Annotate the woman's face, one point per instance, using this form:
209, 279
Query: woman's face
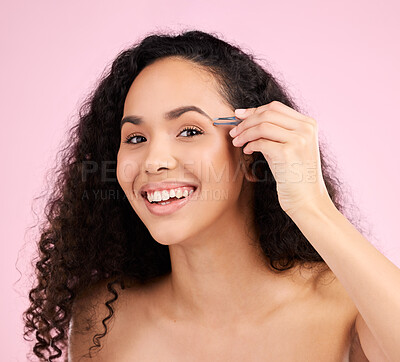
159, 150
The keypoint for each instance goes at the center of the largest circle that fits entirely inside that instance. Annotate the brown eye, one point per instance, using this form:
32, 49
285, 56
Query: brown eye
192, 129
130, 137
189, 130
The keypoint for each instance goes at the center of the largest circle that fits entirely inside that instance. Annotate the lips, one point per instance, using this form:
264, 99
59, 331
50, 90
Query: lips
169, 208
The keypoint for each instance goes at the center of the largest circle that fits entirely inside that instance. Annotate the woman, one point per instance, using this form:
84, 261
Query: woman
249, 258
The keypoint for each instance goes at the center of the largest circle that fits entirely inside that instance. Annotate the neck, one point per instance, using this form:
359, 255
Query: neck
222, 277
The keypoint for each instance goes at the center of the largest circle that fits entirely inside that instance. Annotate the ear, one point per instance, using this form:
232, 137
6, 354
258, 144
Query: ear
246, 162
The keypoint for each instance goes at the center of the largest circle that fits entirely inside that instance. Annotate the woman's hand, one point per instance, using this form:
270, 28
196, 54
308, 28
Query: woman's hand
289, 142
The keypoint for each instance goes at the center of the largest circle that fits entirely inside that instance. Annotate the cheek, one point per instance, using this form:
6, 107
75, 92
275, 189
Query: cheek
218, 162
127, 170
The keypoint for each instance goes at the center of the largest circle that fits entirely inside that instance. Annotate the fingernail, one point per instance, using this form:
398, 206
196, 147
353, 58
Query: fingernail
240, 111
233, 131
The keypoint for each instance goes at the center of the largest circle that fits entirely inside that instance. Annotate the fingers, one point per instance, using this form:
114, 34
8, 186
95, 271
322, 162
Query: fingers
277, 107
263, 130
271, 117
270, 149
274, 122
290, 112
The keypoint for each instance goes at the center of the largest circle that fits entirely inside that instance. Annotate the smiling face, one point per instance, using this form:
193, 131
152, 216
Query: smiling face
182, 147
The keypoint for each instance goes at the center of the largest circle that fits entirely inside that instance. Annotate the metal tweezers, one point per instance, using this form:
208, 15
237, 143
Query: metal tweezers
235, 123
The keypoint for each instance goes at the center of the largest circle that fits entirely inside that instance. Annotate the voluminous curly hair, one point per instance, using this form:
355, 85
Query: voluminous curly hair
90, 232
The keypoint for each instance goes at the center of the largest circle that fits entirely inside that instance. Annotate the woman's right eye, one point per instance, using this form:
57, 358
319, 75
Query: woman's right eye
130, 137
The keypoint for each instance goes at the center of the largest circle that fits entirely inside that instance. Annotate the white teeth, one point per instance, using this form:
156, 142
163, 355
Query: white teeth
157, 196
165, 195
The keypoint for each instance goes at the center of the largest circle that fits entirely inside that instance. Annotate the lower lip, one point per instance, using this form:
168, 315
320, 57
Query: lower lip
170, 208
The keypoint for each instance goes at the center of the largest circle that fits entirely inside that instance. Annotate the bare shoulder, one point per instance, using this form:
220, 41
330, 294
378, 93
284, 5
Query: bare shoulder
328, 299
88, 303
328, 289
97, 303
333, 293
326, 285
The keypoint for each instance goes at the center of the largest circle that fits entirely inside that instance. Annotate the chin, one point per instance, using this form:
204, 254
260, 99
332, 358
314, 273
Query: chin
168, 233
167, 238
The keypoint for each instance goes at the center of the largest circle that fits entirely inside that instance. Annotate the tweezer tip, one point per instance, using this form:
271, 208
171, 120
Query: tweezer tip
233, 118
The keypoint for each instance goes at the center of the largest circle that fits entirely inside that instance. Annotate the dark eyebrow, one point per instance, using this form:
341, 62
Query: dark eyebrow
175, 113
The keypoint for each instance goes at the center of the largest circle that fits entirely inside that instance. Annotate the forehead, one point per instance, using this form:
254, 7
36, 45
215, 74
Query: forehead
172, 81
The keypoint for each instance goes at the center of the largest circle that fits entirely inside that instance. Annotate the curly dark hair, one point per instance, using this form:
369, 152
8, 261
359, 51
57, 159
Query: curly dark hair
85, 239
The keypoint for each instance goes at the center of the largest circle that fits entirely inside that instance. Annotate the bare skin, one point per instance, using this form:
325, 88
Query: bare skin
314, 322
220, 302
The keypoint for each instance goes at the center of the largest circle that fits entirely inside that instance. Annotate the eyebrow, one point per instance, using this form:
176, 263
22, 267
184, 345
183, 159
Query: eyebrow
173, 114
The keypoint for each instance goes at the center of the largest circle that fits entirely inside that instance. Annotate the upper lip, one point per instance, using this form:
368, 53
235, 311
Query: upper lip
166, 185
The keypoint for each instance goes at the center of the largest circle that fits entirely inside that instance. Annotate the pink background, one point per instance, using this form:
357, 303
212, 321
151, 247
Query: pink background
339, 59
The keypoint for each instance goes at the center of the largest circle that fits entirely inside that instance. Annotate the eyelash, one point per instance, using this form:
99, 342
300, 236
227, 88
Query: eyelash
131, 136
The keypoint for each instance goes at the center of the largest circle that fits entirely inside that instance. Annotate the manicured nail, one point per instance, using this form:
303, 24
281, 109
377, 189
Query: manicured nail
240, 111
233, 131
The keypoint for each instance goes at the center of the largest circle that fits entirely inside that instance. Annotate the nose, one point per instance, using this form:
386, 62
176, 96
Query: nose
159, 157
